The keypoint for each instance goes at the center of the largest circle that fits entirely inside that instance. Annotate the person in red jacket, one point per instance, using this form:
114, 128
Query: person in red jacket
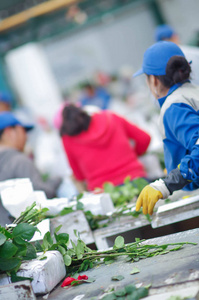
103, 147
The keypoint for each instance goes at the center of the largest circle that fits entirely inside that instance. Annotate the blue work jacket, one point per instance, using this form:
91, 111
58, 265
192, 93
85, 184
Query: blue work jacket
179, 125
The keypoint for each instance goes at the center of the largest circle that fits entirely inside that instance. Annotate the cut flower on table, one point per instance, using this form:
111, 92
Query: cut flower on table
72, 281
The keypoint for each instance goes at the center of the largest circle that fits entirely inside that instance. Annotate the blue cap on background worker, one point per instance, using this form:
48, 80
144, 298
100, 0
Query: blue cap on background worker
165, 32
5, 101
168, 77
8, 119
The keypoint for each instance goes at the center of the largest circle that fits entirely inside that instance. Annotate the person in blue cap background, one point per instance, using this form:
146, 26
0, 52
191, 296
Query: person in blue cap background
5, 101
165, 32
168, 77
14, 163
95, 96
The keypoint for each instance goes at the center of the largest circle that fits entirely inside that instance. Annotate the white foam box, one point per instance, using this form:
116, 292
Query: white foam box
43, 227
46, 274
98, 204
73, 221
18, 290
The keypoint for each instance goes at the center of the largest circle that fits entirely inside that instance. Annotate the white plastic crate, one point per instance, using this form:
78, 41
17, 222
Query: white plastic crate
46, 274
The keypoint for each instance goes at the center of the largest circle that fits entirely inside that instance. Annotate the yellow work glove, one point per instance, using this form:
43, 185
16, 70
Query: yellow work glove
147, 199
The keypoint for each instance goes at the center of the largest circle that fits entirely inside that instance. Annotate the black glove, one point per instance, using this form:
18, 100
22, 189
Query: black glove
175, 181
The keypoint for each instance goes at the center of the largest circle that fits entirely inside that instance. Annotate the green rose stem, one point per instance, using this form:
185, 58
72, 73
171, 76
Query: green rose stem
133, 250
31, 216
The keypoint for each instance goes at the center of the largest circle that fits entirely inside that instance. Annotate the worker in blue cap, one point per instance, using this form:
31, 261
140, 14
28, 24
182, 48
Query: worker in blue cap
165, 32
168, 77
14, 163
5, 101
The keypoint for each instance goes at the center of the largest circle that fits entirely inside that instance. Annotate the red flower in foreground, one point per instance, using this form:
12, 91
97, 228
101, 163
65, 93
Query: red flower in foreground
68, 280
83, 277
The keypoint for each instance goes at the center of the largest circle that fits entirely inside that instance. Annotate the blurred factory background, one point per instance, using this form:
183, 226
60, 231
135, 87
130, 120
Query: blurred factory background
50, 49
54, 52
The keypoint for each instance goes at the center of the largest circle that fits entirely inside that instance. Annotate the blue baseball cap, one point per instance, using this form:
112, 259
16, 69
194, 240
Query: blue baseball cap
156, 58
163, 32
7, 119
5, 97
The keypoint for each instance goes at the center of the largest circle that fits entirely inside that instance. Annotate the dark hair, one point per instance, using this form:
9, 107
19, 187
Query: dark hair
177, 70
75, 120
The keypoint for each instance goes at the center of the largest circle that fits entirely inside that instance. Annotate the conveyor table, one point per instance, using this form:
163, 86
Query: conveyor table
170, 274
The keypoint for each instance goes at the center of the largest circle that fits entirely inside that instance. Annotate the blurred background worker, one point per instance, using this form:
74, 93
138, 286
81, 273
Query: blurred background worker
99, 147
168, 77
95, 96
5, 101
167, 33
14, 163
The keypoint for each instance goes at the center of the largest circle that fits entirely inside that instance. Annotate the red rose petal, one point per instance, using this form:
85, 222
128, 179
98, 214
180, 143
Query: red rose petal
67, 281
83, 277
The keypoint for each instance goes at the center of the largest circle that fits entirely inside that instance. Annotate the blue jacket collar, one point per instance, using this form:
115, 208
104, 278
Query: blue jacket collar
171, 90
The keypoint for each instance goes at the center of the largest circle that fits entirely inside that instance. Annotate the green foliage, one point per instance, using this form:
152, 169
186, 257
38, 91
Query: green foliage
15, 245
80, 206
47, 241
67, 260
66, 210
9, 264
31, 216
23, 233
125, 193
79, 196
59, 242
80, 258
122, 197
83, 258
5, 232
30, 252
2, 239
166, 201
62, 238
93, 220
119, 242
98, 221
117, 278
130, 292
109, 260
135, 271
16, 278
8, 250
38, 246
